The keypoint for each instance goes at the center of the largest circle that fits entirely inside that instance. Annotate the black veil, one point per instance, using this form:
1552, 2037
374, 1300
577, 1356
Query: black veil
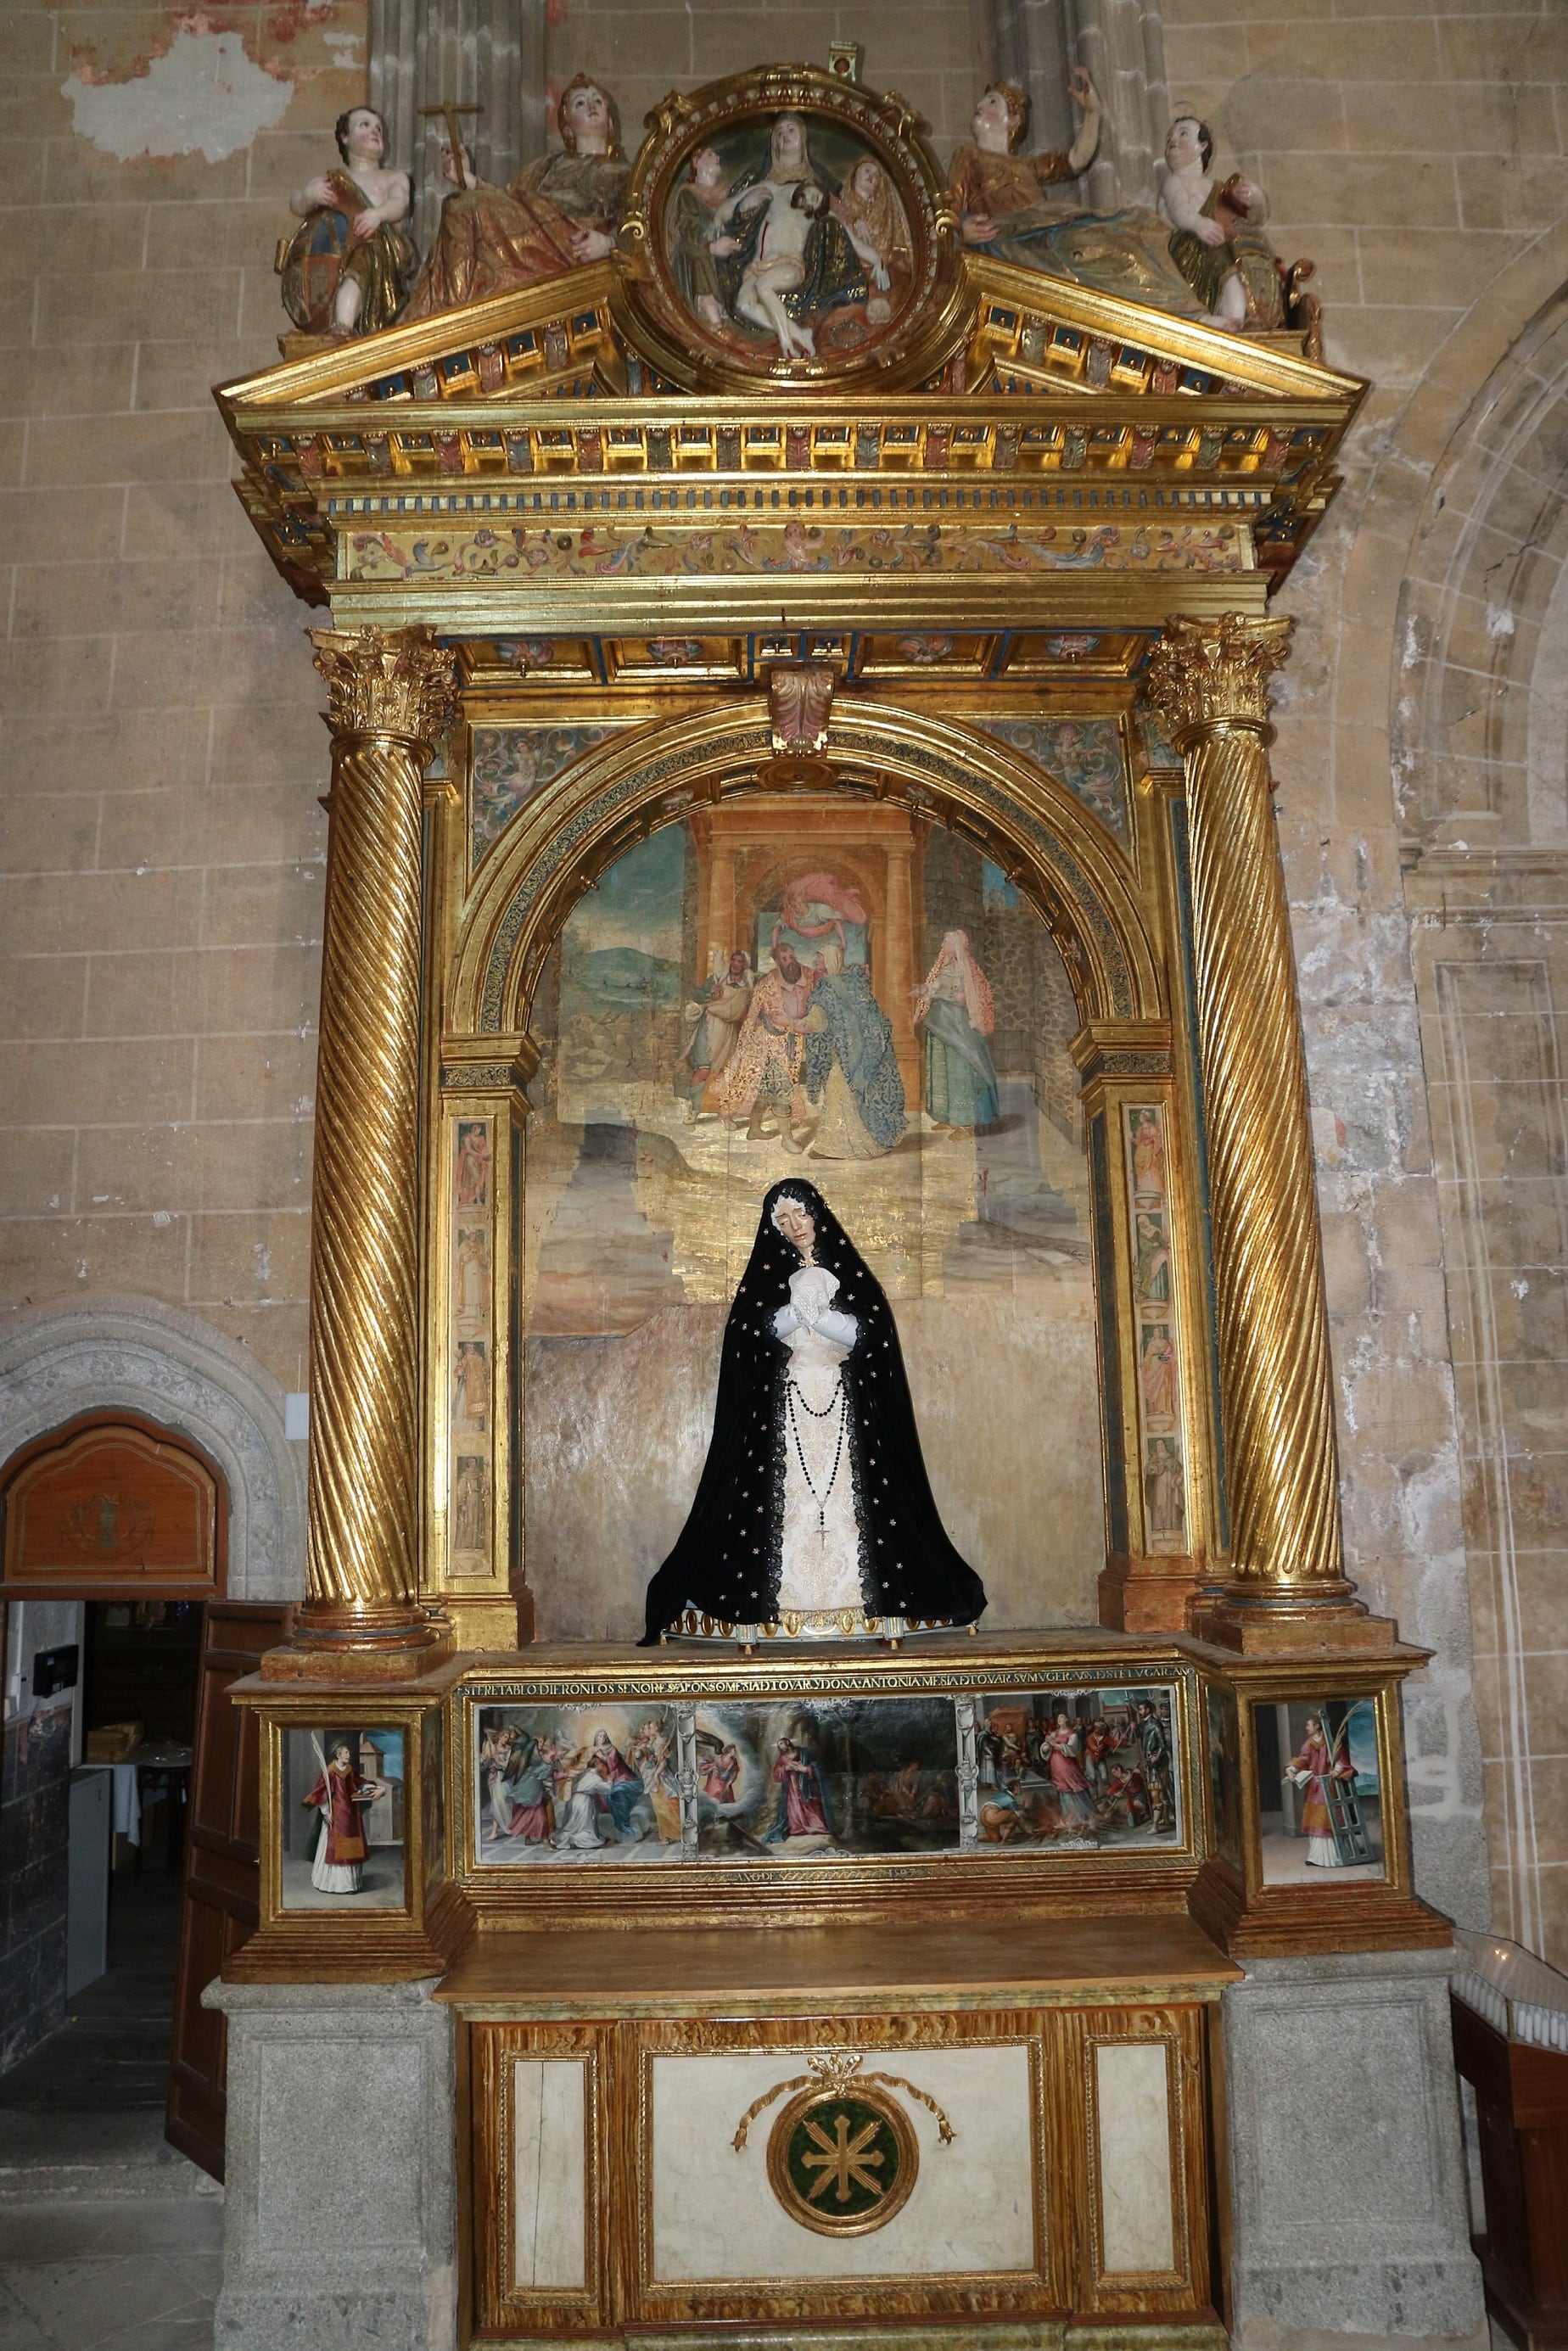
725, 1562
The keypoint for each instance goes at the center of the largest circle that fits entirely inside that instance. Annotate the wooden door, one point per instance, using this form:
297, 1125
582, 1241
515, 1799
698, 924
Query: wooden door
222, 1868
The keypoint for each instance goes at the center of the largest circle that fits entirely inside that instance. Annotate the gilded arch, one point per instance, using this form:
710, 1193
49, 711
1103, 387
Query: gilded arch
1028, 823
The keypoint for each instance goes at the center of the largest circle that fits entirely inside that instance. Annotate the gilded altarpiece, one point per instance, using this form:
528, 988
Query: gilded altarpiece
923, 672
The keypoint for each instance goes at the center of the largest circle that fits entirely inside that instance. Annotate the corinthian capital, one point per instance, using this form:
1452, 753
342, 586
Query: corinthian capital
397, 682
1207, 672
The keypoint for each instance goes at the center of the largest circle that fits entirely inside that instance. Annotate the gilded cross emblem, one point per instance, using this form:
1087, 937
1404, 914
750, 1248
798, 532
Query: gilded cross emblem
852, 2162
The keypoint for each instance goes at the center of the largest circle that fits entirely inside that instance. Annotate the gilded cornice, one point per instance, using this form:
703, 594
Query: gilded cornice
537, 407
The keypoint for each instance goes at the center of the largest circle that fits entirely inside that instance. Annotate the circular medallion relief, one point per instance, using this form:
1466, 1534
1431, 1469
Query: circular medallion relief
787, 225
842, 2161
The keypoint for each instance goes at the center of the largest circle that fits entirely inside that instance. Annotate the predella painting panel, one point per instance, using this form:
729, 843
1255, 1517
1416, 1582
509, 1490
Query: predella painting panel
589, 1783
931, 1097
797, 1779
1078, 1767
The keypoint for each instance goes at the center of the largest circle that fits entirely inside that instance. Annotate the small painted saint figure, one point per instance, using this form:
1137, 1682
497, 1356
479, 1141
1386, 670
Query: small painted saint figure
763, 1071
720, 1770
851, 1065
717, 1011
1060, 1752
602, 1791
346, 267
955, 1007
342, 1847
803, 1811
1318, 1764
813, 1513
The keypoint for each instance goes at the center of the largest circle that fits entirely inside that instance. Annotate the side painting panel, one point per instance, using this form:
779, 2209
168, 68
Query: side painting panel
849, 993
473, 1346
1162, 1464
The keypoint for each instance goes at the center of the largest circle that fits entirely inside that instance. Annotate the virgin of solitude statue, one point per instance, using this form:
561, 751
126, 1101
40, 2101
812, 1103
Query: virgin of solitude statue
813, 1514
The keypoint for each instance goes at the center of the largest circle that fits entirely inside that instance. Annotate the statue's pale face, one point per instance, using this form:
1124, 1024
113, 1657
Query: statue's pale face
588, 112
797, 1224
991, 118
706, 168
366, 138
865, 179
1182, 143
789, 140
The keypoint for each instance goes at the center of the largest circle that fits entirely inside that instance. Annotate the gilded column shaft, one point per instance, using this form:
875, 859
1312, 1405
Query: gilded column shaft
388, 696
1275, 1370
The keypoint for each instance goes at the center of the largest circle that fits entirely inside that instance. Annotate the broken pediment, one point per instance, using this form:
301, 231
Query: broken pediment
621, 426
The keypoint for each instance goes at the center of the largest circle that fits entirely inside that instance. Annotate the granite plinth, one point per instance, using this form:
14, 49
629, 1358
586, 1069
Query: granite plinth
341, 2208
1349, 2207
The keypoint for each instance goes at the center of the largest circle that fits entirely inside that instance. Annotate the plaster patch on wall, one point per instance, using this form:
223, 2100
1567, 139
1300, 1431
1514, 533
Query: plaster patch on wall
202, 95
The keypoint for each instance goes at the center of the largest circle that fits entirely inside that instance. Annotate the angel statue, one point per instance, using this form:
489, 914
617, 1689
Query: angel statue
1217, 241
348, 266
813, 1514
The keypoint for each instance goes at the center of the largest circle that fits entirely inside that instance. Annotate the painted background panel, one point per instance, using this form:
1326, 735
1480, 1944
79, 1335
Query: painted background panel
648, 1156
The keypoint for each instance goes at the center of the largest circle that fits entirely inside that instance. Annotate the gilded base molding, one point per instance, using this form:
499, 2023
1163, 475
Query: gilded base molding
489, 1622
1320, 1628
1148, 1594
1274, 1926
381, 1947
347, 1664
1027, 2334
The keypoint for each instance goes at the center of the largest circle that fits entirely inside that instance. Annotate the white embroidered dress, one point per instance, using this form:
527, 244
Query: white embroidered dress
819, 1557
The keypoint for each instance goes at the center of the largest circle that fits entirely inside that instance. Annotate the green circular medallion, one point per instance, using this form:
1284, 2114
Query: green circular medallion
842, 2161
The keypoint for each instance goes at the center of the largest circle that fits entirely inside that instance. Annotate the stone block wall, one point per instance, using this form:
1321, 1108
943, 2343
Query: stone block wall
1416, 152
937, 52
161, 848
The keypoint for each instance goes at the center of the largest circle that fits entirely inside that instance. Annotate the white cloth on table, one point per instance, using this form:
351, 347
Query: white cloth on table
127, 1802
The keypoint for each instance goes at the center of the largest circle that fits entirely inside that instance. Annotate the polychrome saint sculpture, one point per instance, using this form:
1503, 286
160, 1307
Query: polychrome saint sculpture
558, 213
346, 267
813, 1514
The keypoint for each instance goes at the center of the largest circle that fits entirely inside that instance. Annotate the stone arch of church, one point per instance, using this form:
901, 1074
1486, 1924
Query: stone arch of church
1477, 715
1459, 567
1023, 819
135, 1355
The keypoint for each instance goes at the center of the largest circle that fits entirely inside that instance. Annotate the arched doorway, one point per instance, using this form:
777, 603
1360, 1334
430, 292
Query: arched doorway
140, 1831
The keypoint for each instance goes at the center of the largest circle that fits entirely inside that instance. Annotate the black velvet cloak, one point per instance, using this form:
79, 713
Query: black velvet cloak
726, 1562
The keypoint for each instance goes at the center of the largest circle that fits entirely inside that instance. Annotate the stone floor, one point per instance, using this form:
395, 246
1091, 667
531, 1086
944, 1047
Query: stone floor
134, 2273
83, 2115
108, 2240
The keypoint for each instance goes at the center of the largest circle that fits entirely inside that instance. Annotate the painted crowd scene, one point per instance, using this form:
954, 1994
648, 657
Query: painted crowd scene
797, 1779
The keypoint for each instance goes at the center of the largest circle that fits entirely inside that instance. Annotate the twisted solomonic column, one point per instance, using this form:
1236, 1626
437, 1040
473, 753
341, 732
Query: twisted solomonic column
1286, 1587
390, 696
